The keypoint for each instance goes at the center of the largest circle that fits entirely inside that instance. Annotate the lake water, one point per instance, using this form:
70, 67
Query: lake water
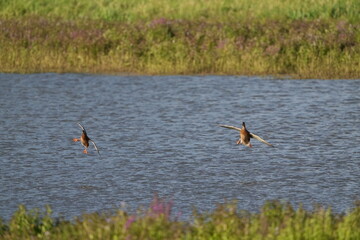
159, 134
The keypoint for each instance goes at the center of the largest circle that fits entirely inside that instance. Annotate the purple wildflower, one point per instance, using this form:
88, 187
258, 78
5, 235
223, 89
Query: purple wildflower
159, 21
129, 221
160, 207
221, 44
272, 50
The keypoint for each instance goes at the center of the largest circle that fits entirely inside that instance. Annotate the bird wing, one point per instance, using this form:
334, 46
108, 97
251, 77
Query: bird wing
260, 139
81, 127
230, 127
96, 148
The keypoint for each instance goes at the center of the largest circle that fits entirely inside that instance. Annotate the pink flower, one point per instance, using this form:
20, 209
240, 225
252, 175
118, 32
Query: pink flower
160, 207
130, 220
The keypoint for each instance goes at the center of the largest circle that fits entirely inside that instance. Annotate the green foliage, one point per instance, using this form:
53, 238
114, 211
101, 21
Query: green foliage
26, 223
302, 38
302, 48
275, 220
146, 10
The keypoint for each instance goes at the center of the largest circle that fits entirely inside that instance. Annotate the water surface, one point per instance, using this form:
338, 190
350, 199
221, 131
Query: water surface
160, 134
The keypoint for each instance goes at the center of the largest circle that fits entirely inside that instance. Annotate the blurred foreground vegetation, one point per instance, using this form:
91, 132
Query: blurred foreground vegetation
302, 38
275, 220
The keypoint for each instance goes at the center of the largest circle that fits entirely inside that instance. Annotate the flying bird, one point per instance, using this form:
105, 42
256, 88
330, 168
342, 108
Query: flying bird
245, 135
84, 139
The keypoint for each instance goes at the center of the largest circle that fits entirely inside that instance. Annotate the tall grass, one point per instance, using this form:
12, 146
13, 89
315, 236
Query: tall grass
303, 38
130, 11
307, 49
275, 220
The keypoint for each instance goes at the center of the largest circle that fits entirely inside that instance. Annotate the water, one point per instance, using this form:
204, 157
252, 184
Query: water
160, 134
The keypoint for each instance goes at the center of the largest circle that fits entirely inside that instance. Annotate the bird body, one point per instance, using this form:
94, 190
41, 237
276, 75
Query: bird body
84, 140
245, 135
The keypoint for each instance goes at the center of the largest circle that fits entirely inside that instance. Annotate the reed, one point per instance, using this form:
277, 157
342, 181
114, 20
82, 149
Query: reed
274, 220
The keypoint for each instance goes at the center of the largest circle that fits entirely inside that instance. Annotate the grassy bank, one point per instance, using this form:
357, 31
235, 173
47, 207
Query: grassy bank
274, 220
219, 10
305, 39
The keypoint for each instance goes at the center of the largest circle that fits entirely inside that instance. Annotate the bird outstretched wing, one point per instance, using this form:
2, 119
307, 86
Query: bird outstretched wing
96, 148
260, 139
81, 126
230, 127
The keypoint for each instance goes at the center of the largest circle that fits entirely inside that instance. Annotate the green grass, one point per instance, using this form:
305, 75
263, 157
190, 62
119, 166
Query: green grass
275, 220
219, 10
301, 38
306, 49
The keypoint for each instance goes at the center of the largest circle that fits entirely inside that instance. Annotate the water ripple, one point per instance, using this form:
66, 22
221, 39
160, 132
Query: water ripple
160, 134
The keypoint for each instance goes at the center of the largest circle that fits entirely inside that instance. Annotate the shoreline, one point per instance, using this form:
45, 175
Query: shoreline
264, 76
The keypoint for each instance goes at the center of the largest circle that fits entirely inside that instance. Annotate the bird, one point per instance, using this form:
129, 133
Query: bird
245, 135
84, 139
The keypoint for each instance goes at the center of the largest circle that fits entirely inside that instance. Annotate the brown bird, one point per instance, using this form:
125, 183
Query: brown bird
84, 139
245, 135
